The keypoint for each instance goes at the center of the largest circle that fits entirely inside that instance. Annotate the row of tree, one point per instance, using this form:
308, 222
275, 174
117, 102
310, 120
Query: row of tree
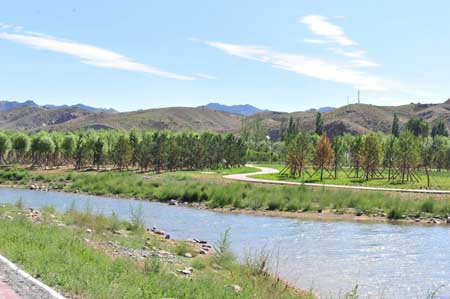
368, 156
155, 151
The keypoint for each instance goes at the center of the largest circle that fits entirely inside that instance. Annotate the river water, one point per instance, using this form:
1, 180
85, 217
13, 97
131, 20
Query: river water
384, 260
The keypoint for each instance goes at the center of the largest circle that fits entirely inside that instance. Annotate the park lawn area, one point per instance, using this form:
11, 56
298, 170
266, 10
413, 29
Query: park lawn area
438, 180
61, 251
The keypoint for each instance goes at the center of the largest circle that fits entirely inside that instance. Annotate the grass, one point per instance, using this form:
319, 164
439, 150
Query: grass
439, 180
70, 260
212, 190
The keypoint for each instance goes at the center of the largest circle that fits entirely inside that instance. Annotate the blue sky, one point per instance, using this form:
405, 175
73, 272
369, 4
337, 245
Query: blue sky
278, 55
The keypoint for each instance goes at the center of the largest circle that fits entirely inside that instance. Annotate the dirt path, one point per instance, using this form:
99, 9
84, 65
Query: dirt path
245, 177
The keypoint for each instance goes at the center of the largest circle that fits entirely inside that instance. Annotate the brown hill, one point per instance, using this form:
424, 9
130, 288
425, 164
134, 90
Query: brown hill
355, 118
359, 118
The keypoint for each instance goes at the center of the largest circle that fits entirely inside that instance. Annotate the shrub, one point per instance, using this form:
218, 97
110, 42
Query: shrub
394, 214
274, 204
199, 264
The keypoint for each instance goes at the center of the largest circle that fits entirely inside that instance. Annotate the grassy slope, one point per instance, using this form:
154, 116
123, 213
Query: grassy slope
69, 259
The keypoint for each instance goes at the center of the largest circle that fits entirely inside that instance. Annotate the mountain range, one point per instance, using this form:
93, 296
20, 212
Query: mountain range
355, 118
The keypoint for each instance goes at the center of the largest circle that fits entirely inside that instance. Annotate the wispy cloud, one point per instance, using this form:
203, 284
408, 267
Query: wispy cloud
333, 34
205, 76
88, 54
305, 65
320, 25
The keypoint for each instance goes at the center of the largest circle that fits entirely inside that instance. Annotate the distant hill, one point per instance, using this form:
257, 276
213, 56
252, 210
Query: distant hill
354, 119
237, 109
359, 118
173, 118
9, 105
321, 109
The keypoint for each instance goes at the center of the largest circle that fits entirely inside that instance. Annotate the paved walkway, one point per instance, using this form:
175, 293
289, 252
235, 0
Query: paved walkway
16, 284
245, 177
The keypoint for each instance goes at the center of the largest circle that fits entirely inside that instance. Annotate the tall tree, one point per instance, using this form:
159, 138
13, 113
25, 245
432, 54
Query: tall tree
407, 155
20, 146
323, 156
388, 157
418, 127
299, 153
355, 150
371, 155
319, 124
395, 126
339, 150
5, 146
427, 156
439, 129
98, 153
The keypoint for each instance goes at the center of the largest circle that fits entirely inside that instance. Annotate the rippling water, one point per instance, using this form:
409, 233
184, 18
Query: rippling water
385, 261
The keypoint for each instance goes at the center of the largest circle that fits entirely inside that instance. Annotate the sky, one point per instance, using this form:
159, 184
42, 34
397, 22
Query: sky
287, 55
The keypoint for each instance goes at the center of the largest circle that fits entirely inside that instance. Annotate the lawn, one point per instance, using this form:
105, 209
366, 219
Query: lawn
439, 179
59, 250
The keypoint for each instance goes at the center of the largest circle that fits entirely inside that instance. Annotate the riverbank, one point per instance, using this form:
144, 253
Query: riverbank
92, 256
210, 190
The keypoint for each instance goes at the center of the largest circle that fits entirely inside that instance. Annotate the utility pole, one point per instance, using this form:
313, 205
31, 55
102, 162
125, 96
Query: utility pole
359, 102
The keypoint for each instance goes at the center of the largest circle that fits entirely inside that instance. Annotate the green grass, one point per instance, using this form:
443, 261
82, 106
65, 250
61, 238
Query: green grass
62, 258
214, 191
439, 180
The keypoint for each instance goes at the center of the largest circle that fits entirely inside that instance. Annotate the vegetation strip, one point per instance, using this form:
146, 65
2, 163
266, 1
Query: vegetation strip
95, 256
48, 292
249, 177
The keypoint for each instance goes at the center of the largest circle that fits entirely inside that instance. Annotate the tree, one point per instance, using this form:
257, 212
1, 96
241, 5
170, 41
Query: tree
323, 156
418, 127
5, 146
98, 153
68, 148
134, 145
388, 157
20, 146
395, 126
439, 129
355, 149
319, 124
42, 148
299, 153
339, 149
291, 132
122, 152
427, 156
406, 155
371, 155
440, 145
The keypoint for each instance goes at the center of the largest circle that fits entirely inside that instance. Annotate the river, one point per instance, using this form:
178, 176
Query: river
384, 260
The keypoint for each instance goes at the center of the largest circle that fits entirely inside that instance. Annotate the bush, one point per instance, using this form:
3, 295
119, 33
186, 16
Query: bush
394, 214
427, 206
199, 264
274, 204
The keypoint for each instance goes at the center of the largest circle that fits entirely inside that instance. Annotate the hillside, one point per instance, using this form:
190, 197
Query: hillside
237, 109
173, 118
355, 118
359, 118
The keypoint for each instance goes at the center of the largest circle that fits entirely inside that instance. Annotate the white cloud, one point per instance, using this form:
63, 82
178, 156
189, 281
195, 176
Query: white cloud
320, 25
301, 64
315, 41
87, 53
205, 76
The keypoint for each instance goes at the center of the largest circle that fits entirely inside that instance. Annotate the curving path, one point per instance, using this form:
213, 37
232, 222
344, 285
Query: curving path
245, 177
